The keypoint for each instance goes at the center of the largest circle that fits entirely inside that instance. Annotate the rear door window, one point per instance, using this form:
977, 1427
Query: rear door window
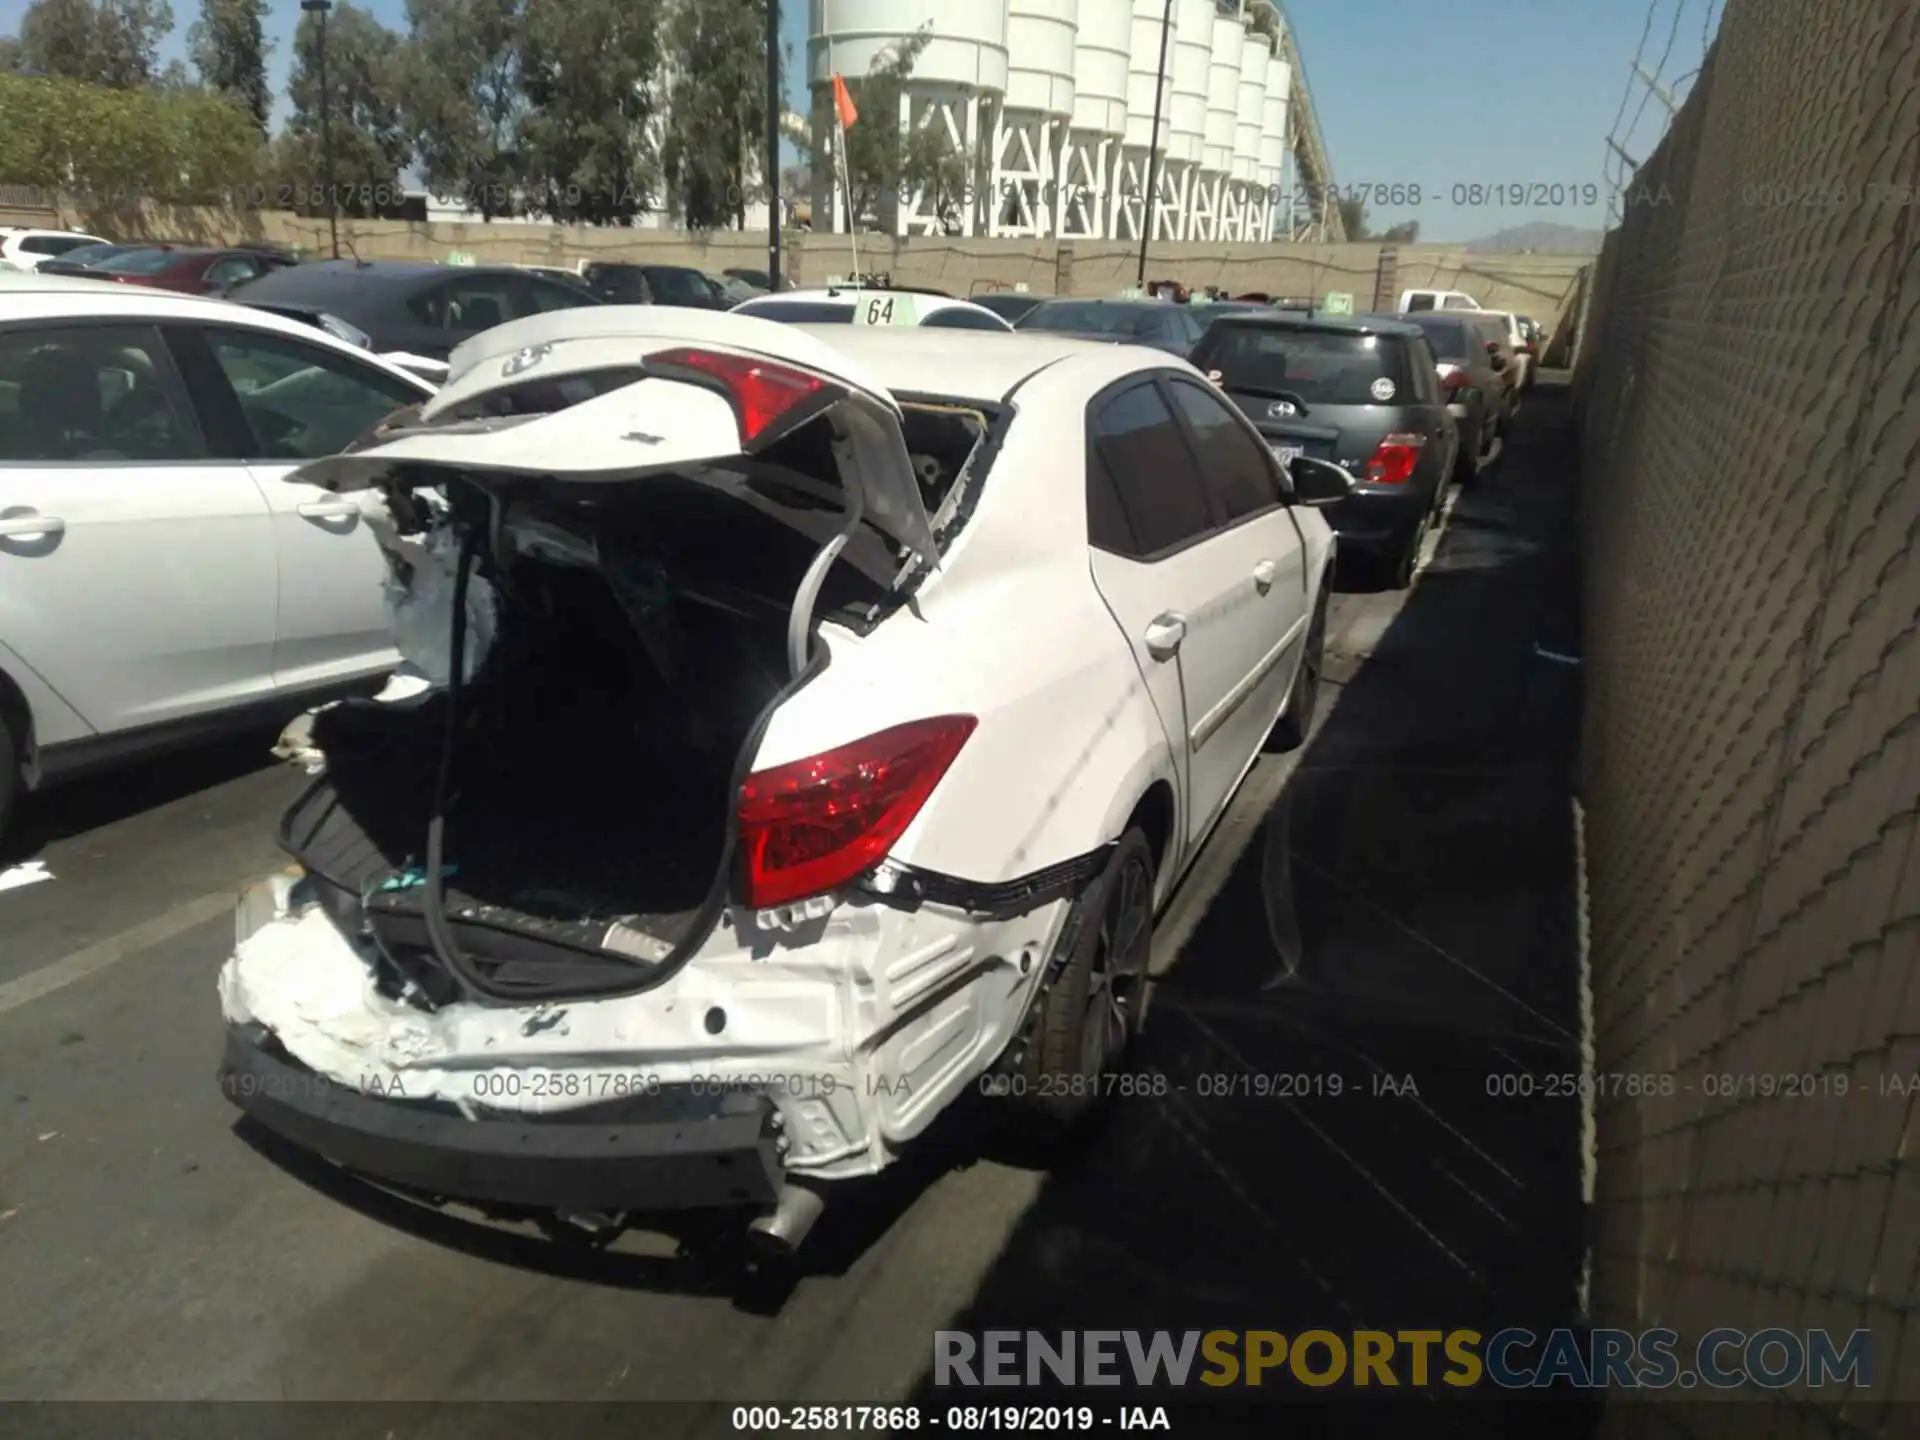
1319, 367
1420, 300
798, 312
1449, 339
1233, 467
92, 392
1138, 443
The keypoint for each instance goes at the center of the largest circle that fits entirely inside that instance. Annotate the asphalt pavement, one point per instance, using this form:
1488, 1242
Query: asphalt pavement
151, 1248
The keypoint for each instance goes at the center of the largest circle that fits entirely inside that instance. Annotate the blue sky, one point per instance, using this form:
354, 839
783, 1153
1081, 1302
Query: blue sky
1517, 95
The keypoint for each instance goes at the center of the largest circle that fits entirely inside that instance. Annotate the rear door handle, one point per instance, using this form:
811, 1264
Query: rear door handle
25, 527
1263, 575
1164, 635
329, 509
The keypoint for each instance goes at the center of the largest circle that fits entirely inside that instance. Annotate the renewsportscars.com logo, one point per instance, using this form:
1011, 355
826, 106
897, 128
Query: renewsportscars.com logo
1513, 1359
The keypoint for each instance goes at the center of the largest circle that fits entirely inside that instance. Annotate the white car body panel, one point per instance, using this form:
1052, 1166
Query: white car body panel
881, 309
179, 574
876, 1017
12, 241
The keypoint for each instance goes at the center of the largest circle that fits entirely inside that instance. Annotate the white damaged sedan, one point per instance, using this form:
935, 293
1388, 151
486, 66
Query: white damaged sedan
807, 724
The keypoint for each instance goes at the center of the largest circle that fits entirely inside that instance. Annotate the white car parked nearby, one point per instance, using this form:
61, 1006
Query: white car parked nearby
820, 716
1518, 343
158, 576
910, 308
24, 249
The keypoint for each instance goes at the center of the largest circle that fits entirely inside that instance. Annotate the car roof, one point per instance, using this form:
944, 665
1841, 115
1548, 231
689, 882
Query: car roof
962, 364
1364, 324
25, 295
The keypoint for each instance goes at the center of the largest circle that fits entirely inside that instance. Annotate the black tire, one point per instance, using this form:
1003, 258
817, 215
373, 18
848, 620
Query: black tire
9, 777
1466, 467
1090, 1013
1400, 567
1290, 731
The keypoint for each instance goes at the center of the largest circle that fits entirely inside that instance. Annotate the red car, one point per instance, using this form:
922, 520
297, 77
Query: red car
188, 269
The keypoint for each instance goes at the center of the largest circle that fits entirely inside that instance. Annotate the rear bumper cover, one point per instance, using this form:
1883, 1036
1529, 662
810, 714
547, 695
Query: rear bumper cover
670, 1150
1379, 521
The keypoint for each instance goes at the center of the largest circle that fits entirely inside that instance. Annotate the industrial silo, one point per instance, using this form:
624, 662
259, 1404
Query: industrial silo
1275, 172
1256, 55
1187, 108
1210, 214
954, 91
1091, 160
1030, 133
1149, 98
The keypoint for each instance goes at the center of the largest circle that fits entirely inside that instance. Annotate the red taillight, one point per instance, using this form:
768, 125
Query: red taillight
813, 825
1392, 463
762, 392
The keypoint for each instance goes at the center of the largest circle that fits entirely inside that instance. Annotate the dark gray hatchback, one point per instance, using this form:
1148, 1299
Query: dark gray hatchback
1360, 391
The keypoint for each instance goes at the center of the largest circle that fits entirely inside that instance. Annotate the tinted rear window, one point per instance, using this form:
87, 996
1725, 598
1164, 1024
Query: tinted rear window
674, 286
798, 312
1089, 317
1448, 338
140, 262
1321, 367
54, 244
957, 317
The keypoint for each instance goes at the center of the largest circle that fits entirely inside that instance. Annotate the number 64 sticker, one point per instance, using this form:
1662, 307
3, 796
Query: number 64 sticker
884, 310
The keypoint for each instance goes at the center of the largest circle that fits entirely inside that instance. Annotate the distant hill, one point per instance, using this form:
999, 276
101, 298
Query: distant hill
1542, 237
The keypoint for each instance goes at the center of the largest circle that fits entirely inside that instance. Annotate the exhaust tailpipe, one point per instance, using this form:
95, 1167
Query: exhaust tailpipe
782, 1229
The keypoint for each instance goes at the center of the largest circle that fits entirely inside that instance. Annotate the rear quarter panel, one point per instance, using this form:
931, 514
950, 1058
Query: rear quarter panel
1012, 631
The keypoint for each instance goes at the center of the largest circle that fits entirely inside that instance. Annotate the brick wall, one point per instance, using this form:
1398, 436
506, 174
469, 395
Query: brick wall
1749, 400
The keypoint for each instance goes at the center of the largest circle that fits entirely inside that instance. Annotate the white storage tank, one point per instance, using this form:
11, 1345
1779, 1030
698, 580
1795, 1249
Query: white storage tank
962, 69
1223, 92
1274, 138
1030, 129
1192, 63
1103, 40
1149, 93
1256, 54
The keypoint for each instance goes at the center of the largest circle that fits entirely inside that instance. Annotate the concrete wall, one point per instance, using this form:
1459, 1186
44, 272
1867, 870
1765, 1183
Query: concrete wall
1373, 274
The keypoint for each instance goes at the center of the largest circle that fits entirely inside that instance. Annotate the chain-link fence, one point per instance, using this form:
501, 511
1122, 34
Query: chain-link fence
1749, 400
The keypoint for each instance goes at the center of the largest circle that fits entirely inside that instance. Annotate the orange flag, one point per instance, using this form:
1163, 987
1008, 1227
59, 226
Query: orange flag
843, 104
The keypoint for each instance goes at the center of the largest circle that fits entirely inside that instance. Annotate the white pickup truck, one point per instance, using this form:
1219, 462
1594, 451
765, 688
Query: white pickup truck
1411, 300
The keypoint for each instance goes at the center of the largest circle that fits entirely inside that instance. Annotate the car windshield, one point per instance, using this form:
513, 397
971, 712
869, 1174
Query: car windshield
1448, 338
1091, 317
139, 262
1319, 367
89, 254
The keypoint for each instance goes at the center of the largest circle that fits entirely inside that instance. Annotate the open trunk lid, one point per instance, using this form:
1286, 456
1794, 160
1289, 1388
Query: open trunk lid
620, 394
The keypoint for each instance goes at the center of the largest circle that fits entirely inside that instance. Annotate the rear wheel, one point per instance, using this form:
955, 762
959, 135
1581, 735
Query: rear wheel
1090, 1012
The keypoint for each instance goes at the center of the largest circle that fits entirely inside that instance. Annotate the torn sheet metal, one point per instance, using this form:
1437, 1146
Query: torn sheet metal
420, 584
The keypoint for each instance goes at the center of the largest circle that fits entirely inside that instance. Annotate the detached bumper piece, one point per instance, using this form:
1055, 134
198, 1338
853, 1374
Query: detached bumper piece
668, 1151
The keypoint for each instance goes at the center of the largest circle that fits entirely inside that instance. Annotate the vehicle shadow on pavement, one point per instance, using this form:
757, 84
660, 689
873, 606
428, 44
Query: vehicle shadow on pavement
65, 811
1384, 1140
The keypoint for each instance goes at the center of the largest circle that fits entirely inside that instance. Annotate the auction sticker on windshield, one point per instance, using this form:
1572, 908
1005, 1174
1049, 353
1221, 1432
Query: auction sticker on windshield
885, 310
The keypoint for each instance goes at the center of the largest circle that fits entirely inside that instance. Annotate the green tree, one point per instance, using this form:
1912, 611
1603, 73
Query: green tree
883, 163
62, 38
229, 48
1407, 232
1353, 217
716, 118
370, 148
590, 73
462, 100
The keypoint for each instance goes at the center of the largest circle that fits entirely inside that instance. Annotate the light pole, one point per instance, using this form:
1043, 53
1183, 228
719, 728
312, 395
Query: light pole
776, 105
320, 8
1152, 202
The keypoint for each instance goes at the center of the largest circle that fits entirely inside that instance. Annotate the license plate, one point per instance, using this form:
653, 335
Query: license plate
1284, 453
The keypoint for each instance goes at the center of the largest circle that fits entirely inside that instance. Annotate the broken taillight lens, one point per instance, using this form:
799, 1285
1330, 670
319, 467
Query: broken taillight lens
812, 825
763, 393
1394, 459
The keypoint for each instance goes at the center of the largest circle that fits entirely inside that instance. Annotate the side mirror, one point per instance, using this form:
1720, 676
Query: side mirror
1318, 482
